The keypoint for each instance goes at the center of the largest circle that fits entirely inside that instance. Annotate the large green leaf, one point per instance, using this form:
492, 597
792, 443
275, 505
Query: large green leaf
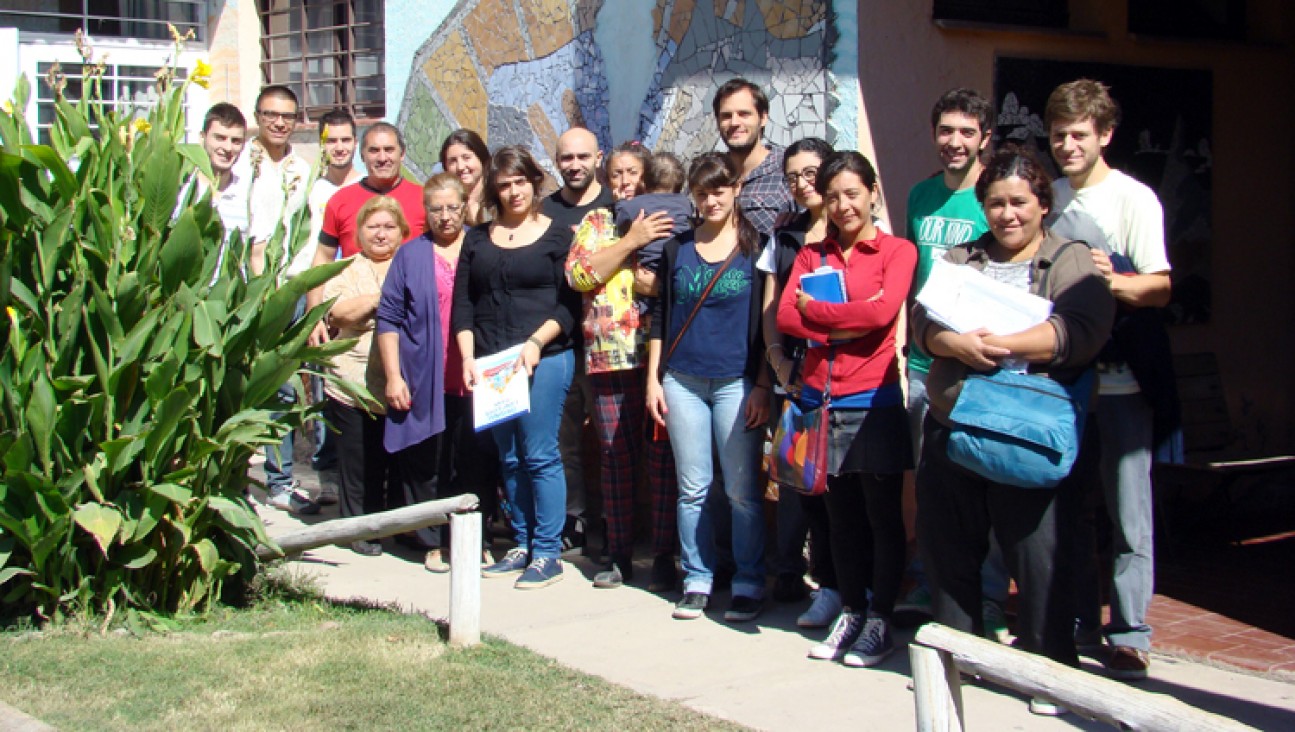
278, 312
166, 418
99, 521
181, 255
40, 419
45, 156
160, 183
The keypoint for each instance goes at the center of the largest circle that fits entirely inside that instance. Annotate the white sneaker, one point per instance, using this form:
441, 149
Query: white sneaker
995, 620
1046, 708
840, 638
824, 609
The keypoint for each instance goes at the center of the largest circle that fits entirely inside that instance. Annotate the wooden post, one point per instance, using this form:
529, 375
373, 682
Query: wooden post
369, 526
1088, 695
465, 579
937, 690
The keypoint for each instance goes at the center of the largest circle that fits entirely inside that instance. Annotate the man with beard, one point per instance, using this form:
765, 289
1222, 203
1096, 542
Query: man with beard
741, 113
579, 161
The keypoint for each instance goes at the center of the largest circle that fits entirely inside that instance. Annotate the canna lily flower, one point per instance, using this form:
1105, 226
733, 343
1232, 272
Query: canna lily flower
141, 126
201, 74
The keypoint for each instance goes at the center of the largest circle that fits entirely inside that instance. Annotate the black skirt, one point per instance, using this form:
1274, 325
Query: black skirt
869, 441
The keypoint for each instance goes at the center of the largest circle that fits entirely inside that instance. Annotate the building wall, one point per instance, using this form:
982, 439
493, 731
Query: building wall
906, 62
522, 73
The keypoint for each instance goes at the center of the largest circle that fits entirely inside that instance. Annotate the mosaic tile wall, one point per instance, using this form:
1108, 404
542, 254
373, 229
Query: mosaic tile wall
523, 71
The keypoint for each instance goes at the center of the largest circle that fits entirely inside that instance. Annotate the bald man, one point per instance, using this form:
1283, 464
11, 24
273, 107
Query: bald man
579, 160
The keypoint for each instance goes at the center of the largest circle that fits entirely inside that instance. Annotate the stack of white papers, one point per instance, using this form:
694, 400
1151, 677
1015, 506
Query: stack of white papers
962, 299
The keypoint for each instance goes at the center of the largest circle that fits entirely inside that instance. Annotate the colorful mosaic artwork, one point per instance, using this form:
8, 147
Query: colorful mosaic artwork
523, 71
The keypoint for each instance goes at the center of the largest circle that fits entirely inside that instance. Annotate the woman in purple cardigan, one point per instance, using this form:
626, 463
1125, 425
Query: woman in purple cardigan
424, 369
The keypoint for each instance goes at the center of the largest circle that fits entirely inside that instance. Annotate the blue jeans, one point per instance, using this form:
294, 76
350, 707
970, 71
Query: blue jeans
531, 464
1124, 428
701, 410
278, 460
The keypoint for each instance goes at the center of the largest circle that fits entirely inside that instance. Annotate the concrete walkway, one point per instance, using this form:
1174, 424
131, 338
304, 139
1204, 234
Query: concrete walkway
755, 674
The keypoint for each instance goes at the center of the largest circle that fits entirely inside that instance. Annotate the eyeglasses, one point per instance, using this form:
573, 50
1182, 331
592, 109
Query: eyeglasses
272, 116
453, 210
809, 174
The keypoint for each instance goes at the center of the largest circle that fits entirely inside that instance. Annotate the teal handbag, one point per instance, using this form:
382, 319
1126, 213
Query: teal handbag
1021, 430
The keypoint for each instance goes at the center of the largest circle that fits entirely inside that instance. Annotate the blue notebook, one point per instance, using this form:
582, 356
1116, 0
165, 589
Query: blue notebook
824, 284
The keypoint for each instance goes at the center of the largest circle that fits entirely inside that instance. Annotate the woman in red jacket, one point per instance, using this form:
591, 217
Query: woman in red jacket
869, 449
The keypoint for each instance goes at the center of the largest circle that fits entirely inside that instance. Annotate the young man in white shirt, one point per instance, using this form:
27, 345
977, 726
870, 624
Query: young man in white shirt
277, 182
339, 140
1126, 216
278, 178
224, 134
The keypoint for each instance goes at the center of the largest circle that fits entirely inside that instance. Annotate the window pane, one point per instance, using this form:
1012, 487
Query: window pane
326, 45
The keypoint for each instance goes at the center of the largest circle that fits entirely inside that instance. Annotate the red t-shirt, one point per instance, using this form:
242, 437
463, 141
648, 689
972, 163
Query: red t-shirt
877, 280
344, 207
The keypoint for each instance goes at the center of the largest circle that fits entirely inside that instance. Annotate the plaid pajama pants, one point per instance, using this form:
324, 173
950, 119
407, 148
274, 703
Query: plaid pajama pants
619, 416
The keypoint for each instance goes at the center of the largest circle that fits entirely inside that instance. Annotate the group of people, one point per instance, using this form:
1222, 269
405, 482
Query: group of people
671, 295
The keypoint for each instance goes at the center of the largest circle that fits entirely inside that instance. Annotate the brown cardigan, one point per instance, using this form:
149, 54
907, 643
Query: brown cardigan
1083, 311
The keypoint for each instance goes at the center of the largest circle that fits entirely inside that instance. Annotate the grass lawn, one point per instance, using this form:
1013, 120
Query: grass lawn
307, 664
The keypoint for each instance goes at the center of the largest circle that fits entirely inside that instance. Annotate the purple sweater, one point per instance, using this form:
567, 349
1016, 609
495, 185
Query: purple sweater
408, 307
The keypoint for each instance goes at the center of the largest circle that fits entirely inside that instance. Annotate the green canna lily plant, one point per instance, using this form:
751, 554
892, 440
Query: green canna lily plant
139, 368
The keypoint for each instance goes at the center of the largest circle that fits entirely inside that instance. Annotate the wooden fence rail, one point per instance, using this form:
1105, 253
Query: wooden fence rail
465, 550
940, 655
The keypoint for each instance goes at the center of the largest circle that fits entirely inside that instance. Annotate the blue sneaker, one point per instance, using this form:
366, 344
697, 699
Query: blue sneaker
513, 562
542, 572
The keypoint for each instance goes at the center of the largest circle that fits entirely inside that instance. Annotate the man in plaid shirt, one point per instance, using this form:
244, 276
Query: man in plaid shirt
741, 112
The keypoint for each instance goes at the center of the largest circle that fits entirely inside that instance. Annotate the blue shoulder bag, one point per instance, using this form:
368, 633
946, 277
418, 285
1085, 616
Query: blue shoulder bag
1022, 430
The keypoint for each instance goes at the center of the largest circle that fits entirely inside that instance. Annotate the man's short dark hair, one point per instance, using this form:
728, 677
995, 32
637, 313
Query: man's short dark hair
280, 91
965, 101
336, 118
382, 127
735, 85
224, 113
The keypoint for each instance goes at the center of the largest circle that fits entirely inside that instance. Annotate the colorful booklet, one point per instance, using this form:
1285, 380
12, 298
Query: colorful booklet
824, 284
504, 391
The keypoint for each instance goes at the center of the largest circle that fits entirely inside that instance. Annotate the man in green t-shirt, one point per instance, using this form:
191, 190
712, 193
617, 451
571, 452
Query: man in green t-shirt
943, 212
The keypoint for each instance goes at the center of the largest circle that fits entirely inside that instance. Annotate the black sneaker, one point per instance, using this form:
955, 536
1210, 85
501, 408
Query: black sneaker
665, 577
367, 548
327, 494
790, 587
743, 609
691, 606
573, 534
618, 572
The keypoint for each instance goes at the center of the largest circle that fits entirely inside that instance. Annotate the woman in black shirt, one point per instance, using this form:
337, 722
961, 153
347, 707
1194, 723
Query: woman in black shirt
511, 288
